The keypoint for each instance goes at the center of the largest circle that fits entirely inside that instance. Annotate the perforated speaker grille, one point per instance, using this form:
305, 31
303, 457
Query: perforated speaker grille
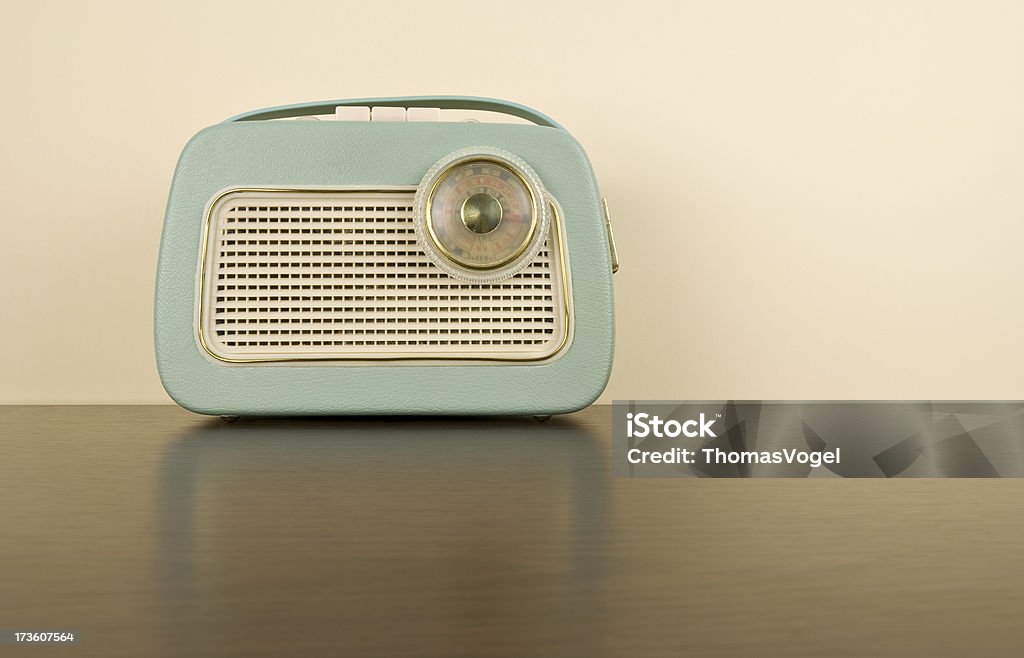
324, 275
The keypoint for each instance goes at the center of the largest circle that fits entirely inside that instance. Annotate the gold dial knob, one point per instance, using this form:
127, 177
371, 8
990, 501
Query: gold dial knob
481, 213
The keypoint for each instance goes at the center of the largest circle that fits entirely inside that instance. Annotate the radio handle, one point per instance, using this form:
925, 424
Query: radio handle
442, 102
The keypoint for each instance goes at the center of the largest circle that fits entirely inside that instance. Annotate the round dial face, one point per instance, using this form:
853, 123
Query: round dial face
481, 214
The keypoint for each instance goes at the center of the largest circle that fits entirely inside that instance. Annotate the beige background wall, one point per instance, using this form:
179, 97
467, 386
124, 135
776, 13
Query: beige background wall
812, 199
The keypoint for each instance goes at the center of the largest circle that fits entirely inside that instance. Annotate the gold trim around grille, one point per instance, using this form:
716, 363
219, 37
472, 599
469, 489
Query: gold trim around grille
556, 248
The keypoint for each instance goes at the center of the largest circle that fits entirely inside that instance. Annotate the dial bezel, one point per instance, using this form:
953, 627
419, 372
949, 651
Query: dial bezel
439, 253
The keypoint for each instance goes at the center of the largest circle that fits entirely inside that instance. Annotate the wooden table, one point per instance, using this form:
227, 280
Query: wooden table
152, 531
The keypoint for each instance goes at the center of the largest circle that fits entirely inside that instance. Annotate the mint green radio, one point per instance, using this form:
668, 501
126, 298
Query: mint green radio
385, 256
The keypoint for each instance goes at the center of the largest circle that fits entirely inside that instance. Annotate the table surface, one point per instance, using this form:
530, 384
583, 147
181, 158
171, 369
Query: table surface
152, 531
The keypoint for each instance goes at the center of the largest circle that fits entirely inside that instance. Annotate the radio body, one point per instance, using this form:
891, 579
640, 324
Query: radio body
357, 266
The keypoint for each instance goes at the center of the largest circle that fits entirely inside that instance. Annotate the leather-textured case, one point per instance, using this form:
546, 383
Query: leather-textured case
338, 266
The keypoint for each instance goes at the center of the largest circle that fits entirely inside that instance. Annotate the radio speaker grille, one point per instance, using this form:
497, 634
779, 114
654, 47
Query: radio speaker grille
289, 275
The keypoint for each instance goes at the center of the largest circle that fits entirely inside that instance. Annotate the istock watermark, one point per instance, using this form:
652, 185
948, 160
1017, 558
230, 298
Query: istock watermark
642, 425
817, 439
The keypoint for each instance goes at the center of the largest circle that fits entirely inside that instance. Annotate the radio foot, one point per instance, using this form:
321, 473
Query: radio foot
229, 419
542, 418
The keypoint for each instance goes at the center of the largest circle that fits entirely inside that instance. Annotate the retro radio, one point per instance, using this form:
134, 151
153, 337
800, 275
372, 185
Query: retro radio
385, 259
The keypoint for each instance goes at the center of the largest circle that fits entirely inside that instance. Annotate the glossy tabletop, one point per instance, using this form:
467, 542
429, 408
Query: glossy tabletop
150, 531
